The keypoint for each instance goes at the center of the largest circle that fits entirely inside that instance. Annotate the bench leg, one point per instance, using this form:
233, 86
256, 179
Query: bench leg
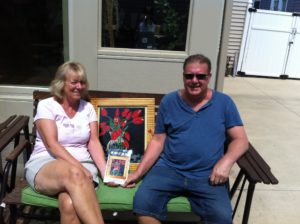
236, 183
239, 197
250, 193
1, 214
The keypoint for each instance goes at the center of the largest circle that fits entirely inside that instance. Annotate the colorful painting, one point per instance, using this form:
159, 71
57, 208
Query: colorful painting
117, 166
125, 123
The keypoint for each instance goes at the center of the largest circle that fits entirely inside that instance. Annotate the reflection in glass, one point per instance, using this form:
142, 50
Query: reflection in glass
31, 41
145, 24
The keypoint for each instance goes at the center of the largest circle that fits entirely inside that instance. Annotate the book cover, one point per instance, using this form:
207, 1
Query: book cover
117, 166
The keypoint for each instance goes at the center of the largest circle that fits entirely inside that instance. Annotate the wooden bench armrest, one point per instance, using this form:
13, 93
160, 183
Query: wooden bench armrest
256, 168
13, 156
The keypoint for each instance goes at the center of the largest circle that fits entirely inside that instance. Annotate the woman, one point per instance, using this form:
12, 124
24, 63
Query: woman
67, 154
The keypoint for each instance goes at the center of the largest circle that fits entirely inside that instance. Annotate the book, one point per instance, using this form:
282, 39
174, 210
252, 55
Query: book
117, 166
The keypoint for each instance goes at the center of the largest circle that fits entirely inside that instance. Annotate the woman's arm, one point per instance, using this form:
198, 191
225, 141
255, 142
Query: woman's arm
95, 149
48, 131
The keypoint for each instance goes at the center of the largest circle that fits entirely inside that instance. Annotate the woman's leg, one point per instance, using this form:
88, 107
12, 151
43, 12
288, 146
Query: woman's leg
67, 211
59, 176
148, 220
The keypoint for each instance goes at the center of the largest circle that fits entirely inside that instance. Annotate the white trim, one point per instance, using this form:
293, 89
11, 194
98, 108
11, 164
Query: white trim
245, 37
140, 54
136, 58
71, 28
17, 93
189, 28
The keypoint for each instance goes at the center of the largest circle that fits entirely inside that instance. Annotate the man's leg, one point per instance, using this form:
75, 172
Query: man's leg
157, 188
210, 202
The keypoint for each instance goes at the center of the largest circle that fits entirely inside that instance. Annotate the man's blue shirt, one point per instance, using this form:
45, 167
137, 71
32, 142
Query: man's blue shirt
195, 140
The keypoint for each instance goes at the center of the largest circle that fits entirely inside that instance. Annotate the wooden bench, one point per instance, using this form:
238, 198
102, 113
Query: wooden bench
10, 132
253, 169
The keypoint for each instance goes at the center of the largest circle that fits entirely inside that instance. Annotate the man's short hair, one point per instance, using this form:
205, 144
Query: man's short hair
197, 58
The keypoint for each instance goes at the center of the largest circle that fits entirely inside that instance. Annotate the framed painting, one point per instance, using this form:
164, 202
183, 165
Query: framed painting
117, 166
125, 123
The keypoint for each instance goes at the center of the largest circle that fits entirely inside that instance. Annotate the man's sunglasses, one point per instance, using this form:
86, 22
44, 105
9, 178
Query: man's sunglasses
189, 76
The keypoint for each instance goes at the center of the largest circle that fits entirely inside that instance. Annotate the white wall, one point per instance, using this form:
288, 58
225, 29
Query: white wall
161, 71
239, 11
16, 100
83, 36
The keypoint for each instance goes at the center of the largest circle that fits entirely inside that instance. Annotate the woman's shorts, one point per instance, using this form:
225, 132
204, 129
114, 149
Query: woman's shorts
36, 162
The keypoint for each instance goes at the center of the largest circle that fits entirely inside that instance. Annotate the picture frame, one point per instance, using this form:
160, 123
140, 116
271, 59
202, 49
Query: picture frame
117, 166
125, 123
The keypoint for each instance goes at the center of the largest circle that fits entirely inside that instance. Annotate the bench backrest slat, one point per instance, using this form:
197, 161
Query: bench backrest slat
5, 123
248, 169
12, 130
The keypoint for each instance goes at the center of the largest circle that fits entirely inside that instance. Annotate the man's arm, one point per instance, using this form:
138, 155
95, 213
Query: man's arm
154, 149
238, 145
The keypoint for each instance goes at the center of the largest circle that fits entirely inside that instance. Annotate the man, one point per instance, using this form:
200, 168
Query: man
186, 154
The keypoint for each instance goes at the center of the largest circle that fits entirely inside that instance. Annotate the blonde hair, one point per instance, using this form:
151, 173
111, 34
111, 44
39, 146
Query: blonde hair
58, 83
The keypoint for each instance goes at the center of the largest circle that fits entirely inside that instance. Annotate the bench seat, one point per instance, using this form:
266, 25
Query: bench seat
112, 198
116, 205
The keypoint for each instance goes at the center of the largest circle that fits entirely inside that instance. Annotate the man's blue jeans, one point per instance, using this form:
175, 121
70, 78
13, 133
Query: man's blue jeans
162, 183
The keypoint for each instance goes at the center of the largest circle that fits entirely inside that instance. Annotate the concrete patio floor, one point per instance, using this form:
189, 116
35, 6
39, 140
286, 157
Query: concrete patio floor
270, 109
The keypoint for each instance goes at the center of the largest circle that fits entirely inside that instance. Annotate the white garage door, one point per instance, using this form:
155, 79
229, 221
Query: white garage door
270, 45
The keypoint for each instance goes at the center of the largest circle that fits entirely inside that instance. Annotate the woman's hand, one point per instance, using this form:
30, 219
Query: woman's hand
112, 184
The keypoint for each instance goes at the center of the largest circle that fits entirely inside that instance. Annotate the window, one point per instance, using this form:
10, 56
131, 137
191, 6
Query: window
278, 5
31, 41
145, 24
256, 4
